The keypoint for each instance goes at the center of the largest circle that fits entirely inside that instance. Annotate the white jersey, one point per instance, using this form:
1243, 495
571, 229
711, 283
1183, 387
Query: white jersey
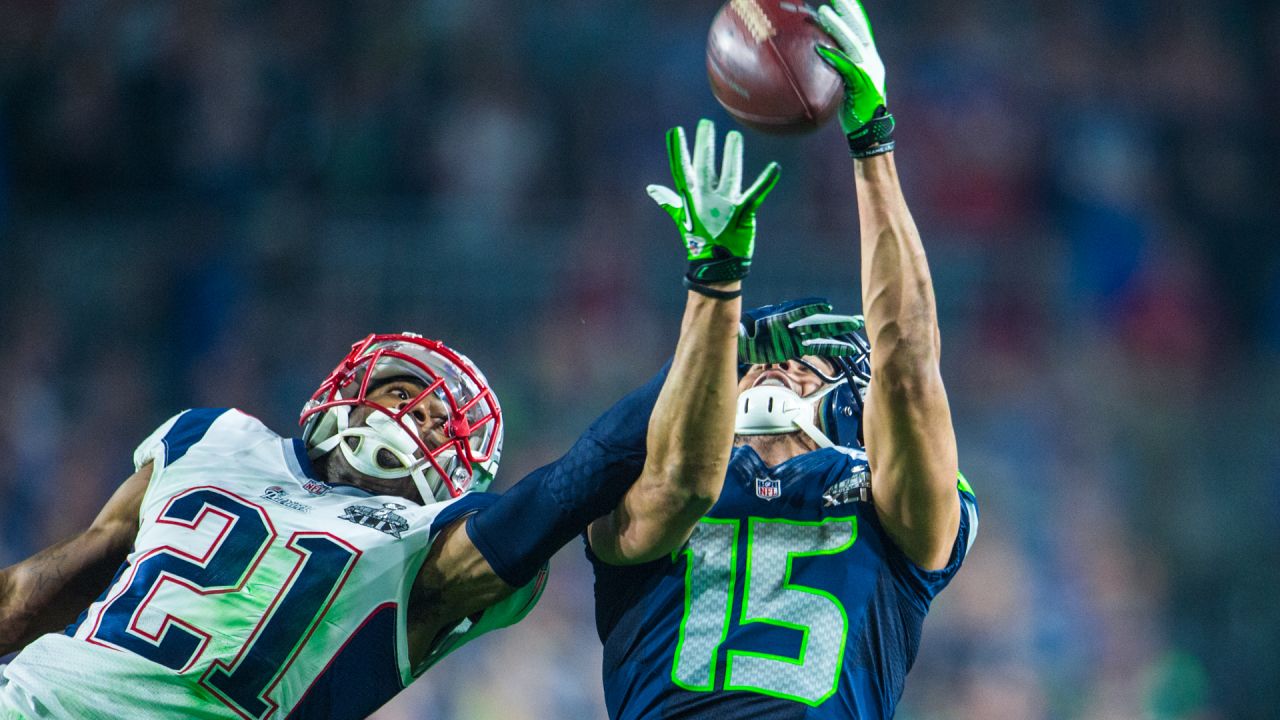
253, 590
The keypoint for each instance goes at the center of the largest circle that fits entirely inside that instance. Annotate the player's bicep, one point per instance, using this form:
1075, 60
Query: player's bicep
911, 448
430, 642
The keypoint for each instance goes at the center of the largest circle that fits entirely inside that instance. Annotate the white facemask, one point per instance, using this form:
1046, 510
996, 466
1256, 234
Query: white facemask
775, 410
379, 433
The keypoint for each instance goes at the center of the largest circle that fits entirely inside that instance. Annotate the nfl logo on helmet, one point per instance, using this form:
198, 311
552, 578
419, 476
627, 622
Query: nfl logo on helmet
768, 488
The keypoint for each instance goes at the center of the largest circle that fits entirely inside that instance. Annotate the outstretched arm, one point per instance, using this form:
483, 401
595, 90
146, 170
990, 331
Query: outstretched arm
689, 441
680, 455
910, 441
690, 434
504, 542
911, 444
45, 592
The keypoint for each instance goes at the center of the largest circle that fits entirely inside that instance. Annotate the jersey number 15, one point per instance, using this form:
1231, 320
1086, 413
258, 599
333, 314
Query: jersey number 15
769, 597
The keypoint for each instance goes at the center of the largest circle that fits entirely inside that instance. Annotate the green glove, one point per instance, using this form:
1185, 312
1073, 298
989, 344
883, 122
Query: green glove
863, 116
716, 218
785, 331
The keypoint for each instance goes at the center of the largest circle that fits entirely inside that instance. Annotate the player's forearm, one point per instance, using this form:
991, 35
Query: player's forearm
455, 581
10, 626
689, 441
897, 289
907, 420
552, 504
691, 430
29, 590
48, 590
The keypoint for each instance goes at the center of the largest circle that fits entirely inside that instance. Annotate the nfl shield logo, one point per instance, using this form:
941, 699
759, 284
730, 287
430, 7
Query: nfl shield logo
768, 488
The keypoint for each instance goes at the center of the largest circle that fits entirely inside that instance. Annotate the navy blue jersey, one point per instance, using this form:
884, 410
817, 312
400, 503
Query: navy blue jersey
788, 601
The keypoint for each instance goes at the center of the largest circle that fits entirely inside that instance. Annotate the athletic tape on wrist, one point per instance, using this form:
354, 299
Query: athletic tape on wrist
710, 291
873, 138
872, 152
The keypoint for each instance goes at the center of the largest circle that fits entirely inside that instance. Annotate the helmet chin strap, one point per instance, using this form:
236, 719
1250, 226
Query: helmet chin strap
775, 410
379, 433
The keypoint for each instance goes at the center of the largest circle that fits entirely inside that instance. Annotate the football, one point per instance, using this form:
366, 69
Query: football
763, 68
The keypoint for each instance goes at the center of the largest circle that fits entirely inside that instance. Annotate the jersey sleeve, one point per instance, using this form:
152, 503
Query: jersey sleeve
177, 435
551, 505
215, 430
152, 449
924, 585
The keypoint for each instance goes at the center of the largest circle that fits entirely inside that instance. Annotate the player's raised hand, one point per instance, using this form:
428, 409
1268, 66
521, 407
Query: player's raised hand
714, 215
864, 115
785, 331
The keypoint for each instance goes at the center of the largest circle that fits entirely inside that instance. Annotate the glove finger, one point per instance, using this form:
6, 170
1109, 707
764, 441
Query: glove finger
760, 189
668, 200
821, 318
864, 96
664, 196
731, 167
836, 59
840, 31
704, 153
678, 155
829, 331
855, 16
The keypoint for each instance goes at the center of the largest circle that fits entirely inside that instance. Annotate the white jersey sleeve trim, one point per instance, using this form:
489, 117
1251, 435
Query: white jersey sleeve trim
152, 448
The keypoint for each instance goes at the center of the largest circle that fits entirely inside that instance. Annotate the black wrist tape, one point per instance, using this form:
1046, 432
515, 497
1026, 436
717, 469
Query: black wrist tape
874, 138
710, 291
722, 266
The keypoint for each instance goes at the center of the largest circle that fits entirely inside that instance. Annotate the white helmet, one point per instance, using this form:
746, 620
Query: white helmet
466, 460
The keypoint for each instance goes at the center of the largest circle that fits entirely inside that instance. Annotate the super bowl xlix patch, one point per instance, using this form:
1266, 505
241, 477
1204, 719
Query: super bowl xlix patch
383, 519
855, 488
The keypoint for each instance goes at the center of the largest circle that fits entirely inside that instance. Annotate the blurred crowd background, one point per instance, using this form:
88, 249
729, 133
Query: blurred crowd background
205, 203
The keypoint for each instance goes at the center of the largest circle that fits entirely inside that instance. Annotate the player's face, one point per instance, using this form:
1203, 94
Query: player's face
429, 417
791, 374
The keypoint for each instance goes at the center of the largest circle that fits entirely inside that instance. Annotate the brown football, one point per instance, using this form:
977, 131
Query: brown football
763, 68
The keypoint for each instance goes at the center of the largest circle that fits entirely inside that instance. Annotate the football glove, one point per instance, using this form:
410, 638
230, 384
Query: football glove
786, 331
715, 217
864, 116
